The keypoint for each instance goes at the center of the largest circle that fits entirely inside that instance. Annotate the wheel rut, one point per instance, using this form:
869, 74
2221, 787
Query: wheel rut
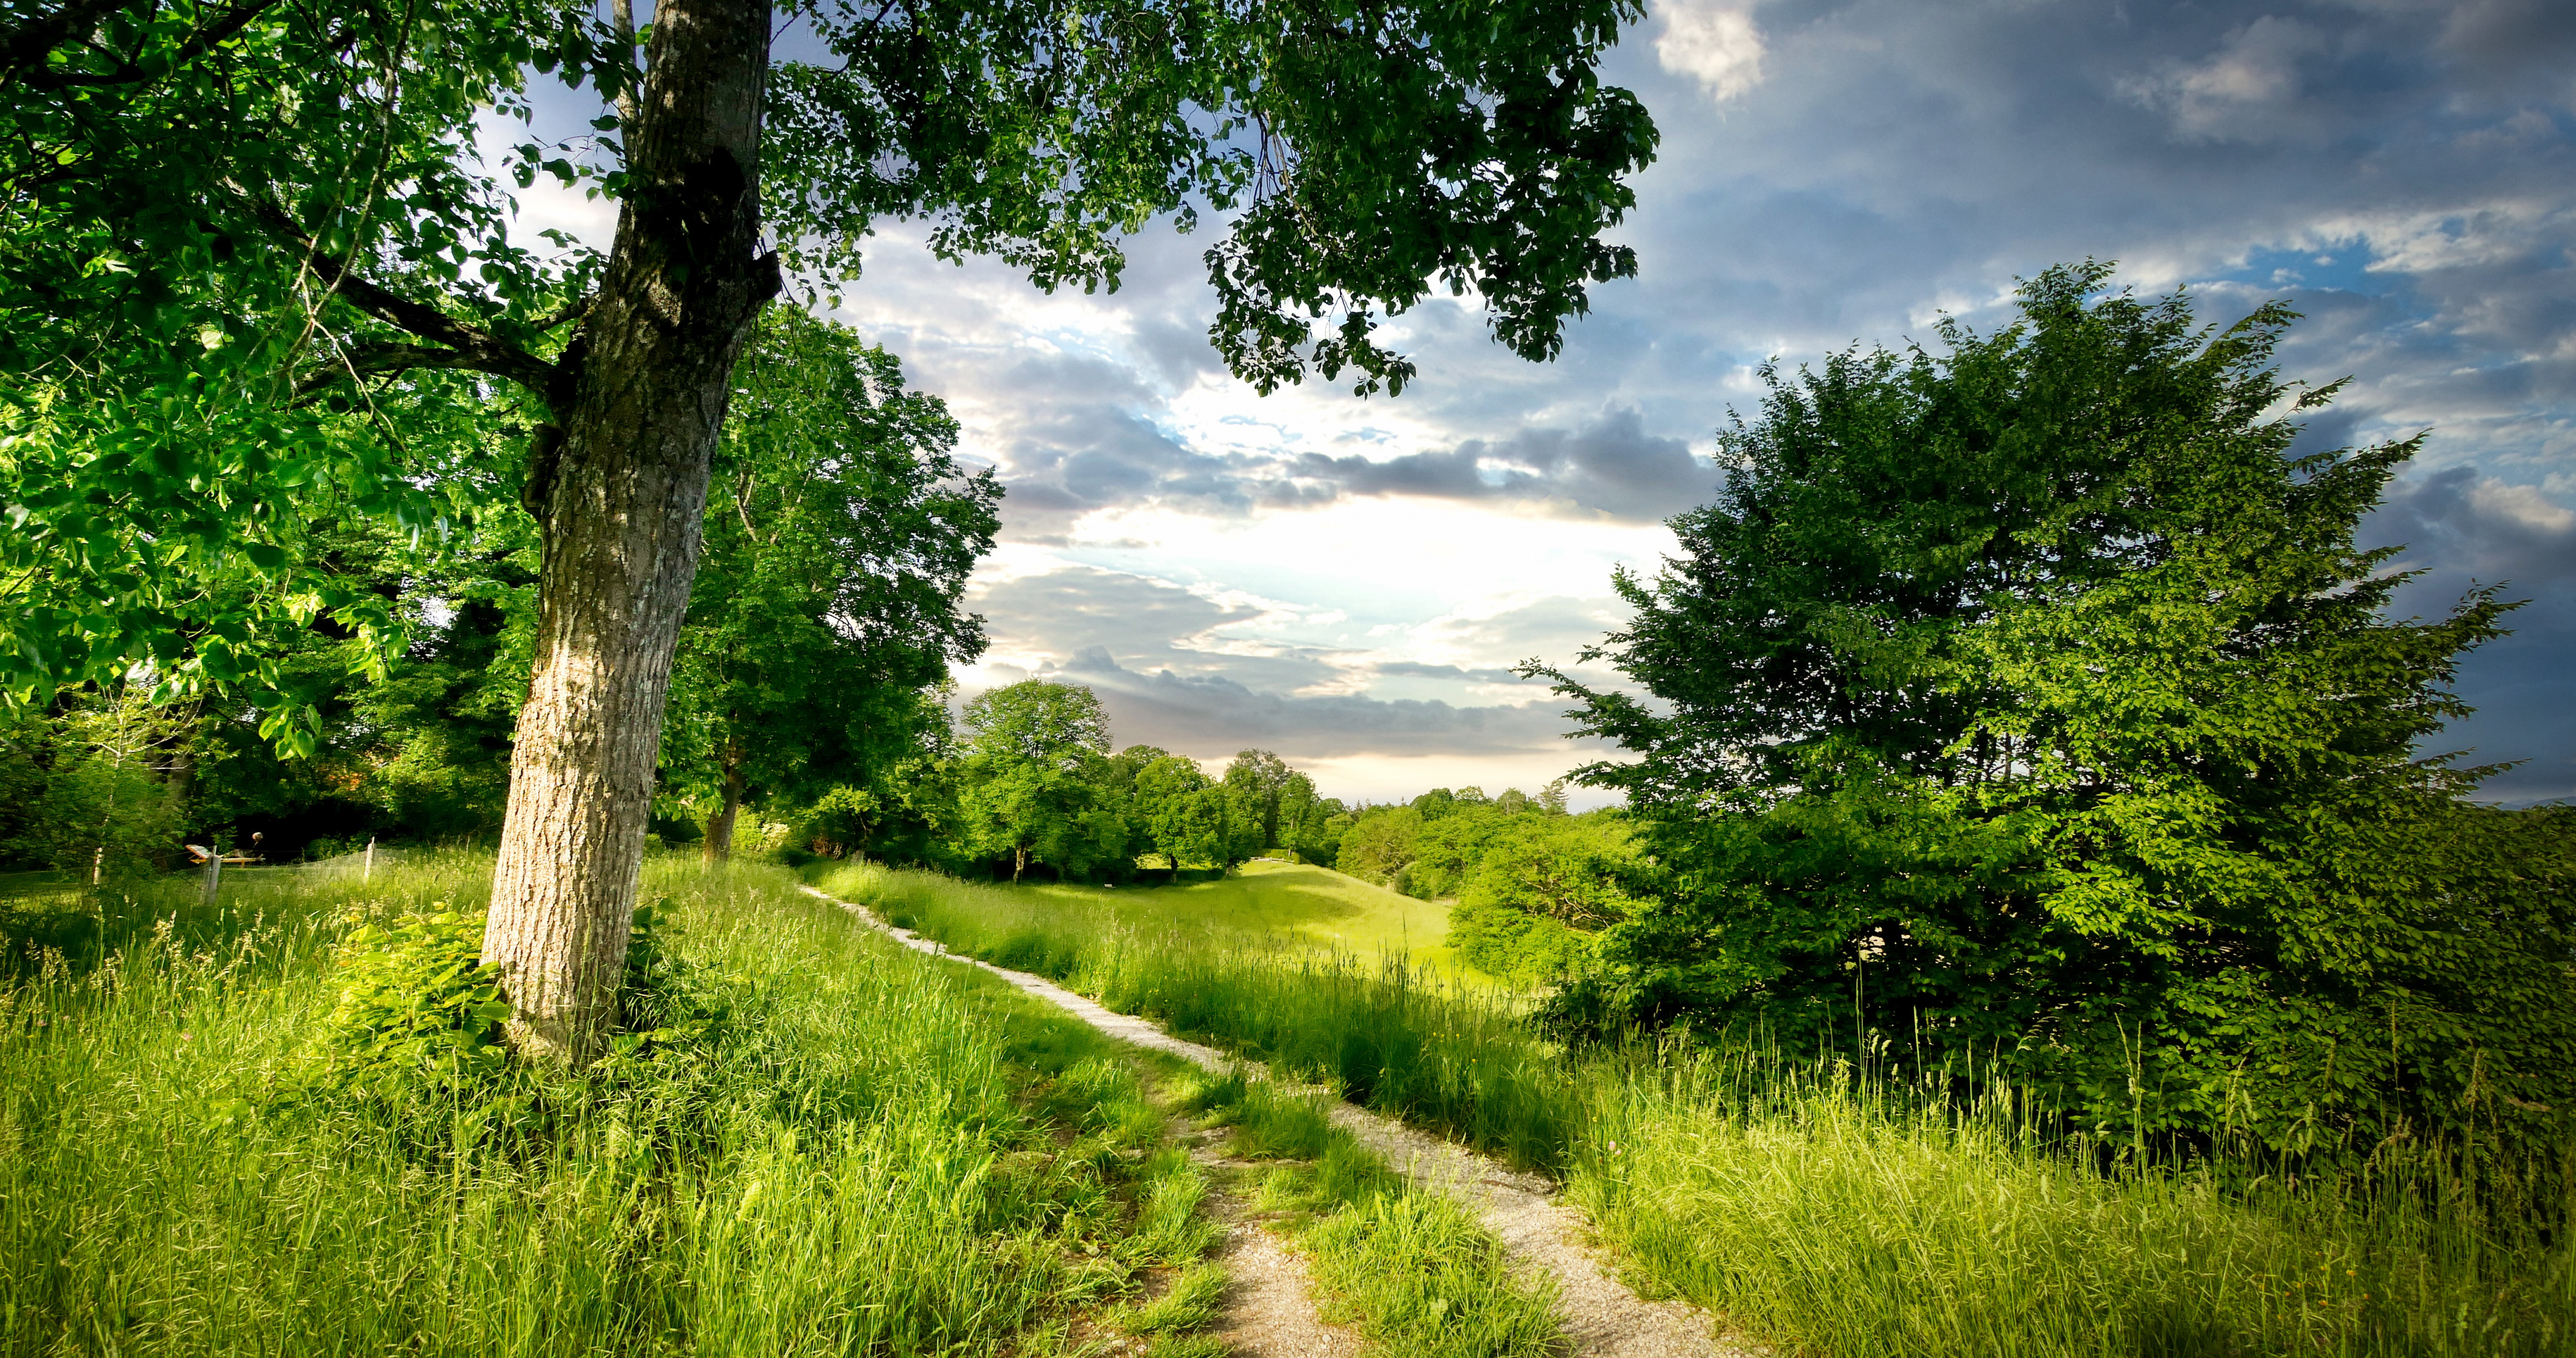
1604, 1317
1270, 1300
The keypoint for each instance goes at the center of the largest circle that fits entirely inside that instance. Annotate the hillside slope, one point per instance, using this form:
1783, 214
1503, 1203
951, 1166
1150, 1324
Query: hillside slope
1295, 900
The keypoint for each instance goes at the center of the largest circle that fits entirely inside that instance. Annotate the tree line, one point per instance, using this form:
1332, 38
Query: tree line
1028, 786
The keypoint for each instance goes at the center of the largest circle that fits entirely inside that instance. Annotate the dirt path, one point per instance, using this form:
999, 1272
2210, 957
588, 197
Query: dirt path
1604, 1319
1269, 1301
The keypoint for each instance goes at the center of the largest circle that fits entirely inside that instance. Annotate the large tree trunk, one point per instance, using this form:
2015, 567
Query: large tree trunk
720, 825
618, 486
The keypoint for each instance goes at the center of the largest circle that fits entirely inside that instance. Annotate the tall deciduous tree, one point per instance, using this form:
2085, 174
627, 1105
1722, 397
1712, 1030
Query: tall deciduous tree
1266, 782
1168, 810
838, 544
1032, 767
248, 262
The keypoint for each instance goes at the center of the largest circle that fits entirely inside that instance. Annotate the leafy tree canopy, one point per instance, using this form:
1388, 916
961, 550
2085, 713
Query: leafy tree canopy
253, 269
1032, 766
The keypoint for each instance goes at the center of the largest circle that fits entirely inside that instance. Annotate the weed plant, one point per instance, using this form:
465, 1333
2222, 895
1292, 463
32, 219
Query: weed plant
1822, 1208
874, 1155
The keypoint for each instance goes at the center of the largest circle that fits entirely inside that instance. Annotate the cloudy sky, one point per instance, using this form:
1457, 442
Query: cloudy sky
1347, 582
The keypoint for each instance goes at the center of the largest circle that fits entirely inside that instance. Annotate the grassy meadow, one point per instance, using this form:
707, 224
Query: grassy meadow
1290, 902
854, 1149
1391, 1036
1819, 1209
779, 1189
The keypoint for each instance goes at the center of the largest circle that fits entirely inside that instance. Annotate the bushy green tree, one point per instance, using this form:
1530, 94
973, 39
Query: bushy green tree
1266, 783
1379, 845
436, 729
1542, 886
827, 602
1167, 812
1234, 831
1431, 846
912, 816
1313, 825
1032, 786
2029, 702
88, 788
1120, 789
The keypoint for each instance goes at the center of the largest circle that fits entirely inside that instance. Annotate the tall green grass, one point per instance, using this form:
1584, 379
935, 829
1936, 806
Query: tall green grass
1846, 1218
1829, 1212
877, 1155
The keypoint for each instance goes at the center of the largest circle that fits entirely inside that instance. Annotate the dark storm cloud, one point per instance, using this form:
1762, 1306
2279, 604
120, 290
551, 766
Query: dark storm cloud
1409, 669
2504, 39
1097, 458
1612, 467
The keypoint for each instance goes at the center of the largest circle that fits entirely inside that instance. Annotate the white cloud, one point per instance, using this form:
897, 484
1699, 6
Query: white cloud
1714, 43
2525, 507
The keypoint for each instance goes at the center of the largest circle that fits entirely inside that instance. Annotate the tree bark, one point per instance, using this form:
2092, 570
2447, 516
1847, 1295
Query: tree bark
618, 485
720, 826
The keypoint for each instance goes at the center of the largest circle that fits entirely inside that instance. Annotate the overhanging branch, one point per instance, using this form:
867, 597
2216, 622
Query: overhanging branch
458, 344
376, 358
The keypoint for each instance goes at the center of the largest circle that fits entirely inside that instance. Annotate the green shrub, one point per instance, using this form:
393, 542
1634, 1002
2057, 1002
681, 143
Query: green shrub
416, 1000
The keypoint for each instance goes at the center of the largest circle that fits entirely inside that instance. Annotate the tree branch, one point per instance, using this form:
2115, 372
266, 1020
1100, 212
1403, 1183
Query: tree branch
621, 16
376, 358
29, 43
198, 44
462, 344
